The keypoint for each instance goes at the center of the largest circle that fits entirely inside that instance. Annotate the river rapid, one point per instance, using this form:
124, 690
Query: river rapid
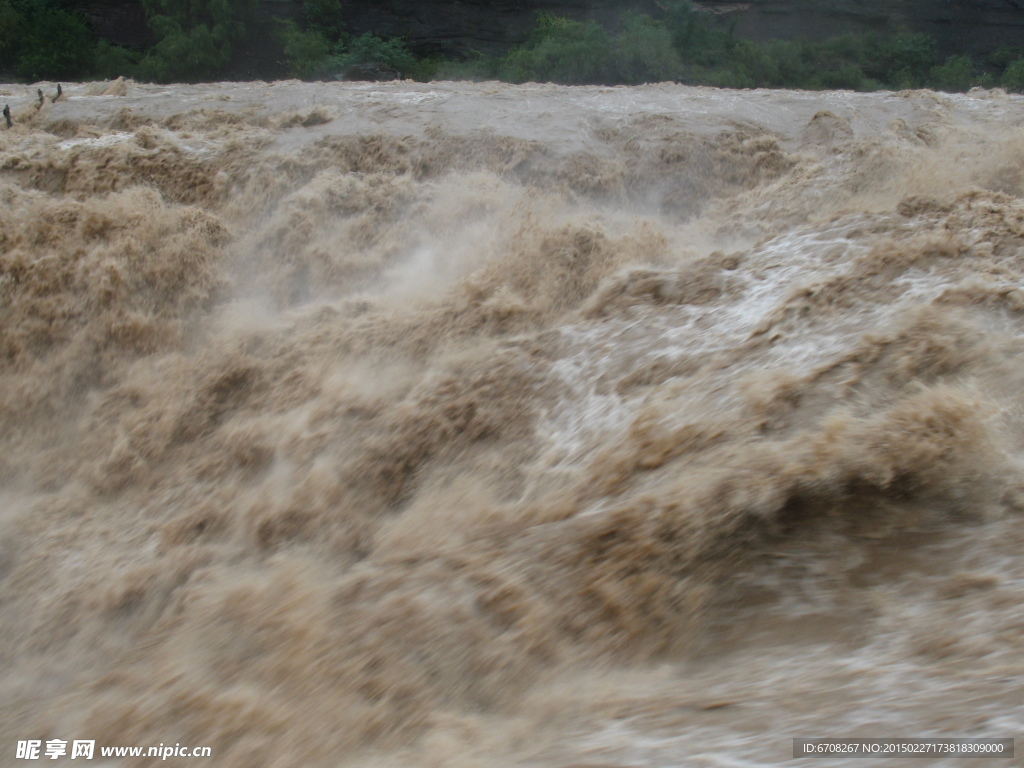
473, 425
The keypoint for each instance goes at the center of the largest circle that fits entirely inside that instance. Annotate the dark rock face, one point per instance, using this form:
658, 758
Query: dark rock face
117, 21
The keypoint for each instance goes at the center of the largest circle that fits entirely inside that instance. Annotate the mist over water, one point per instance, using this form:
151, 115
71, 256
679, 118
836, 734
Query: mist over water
481, 425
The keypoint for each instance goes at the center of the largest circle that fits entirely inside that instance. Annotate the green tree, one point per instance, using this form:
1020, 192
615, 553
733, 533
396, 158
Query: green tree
561, 50
695, 36
372, 51
50, 42
196, 39
323, 16
903, 61
9, 21
1013, 76
956, 74
308, 51
644, 51
110, 61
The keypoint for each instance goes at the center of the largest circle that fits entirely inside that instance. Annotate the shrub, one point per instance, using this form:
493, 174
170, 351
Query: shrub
644, 52
188, 55
956, 74
308, 52
561, 50
370, 51
111, 61
477, 67
195, 39
323, 16
793, 63
752, 66
903, 60
223, 18
1005, 55
846, 76
52, 43
423, 70
695, 36
1013, 76
9, 20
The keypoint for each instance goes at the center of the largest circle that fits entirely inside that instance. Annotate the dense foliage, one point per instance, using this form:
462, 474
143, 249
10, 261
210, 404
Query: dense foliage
41, 39
688, 45
195, 37
201, 39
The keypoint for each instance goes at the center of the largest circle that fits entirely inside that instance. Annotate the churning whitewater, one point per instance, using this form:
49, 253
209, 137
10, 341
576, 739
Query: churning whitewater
486, 425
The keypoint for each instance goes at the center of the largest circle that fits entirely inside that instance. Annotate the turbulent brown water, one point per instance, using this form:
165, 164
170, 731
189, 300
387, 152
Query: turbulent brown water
483, 425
